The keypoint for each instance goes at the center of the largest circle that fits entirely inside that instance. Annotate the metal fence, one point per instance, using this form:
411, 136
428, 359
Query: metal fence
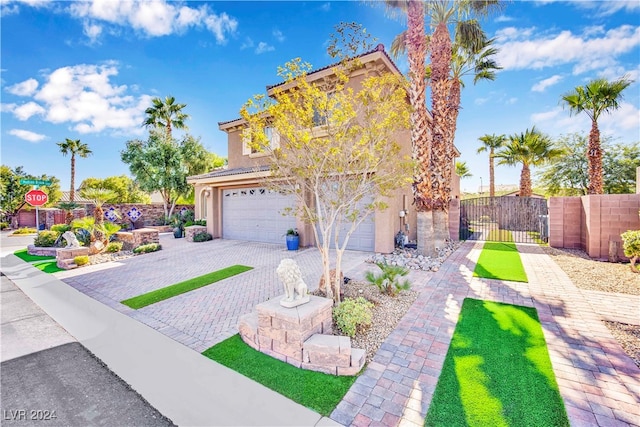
505, 219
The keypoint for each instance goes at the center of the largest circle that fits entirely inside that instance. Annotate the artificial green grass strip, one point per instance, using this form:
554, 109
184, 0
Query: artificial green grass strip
183, 287
48, 266
497, 235
500, 261
25, 256
497, 371
315, 390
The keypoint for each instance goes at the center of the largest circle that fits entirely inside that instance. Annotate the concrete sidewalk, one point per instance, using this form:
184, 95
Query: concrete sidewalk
183, 385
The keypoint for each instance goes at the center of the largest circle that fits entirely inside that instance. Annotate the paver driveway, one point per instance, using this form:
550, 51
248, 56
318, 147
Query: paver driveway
206, 316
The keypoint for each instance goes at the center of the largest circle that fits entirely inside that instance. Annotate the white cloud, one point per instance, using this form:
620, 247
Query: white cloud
542, 85
248, 43
529, 49
92, 31
153, 18
278, 35
7, 108
25, 88
264, 47
85, 97
326, 7
611, 7
27, 135
503, 18
25, 111
627, 117
481, 101
546, 115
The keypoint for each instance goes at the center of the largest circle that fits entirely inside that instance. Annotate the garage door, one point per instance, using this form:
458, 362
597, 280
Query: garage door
363, 238
255, 214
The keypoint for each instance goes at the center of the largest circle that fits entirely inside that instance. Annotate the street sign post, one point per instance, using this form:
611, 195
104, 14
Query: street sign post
36, 198
35, 182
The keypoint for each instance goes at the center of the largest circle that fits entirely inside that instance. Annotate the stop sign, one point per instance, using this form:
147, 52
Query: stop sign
36, 197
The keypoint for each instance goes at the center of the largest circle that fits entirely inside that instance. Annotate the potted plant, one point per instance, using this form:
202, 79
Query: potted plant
293, 239
178, 226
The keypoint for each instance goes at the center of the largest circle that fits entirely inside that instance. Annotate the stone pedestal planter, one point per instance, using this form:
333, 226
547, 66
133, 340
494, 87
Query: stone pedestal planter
192, 230
65, 256
301, 336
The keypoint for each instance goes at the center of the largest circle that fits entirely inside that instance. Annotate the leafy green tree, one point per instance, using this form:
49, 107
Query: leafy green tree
529, 148
163, 165
166, 115
126, 190
12, 192
74, 147
331, 170
567, 174
596, 97
462, 170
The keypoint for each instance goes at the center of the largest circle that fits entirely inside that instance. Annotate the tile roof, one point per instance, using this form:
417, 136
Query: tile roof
231, 172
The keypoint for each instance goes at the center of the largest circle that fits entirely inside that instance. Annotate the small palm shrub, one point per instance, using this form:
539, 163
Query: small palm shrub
202, 237
631, 246
61, 228
25, 230
150, 247
388, 281
352, 314
81, 260
46, 239
113, 247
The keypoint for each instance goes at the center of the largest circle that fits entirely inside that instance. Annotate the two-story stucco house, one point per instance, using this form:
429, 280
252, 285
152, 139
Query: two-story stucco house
237, 206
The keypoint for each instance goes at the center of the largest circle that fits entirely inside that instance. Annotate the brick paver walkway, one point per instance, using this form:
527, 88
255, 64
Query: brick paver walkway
600, 385
206, 316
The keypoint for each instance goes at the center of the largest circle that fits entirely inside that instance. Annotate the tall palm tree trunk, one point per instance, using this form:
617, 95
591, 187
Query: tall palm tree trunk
492, 176
441, 154
72, 190
594, 156
525, 181
420, 134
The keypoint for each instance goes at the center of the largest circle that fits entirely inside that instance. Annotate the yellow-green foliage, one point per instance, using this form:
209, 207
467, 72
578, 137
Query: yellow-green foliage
114, 247
25, 230
352, 314
631, 243
46, 239
81, 260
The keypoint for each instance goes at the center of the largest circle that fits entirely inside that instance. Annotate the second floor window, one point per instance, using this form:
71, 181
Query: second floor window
272, 136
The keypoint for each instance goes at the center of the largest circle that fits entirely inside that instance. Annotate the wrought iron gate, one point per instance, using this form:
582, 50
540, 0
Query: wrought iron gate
504, 219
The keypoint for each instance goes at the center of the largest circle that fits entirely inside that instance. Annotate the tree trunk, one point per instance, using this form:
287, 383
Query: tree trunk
594, 156
425, 233
525, 181
72, 190
440, 228
492, 184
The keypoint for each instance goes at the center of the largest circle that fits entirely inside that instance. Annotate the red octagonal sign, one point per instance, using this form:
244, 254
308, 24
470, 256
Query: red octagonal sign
36, 197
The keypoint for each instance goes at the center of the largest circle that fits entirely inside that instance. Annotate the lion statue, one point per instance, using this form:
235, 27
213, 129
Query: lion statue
71, 239
296, 291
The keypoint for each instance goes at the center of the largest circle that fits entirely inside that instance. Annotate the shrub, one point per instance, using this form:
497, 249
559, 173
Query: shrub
4, 225
61, 228
150, 247
202, 222
188, 223
114, 247
202, 237
81, 260
46, 239
25, 230
631, 246
352, 314
389, 280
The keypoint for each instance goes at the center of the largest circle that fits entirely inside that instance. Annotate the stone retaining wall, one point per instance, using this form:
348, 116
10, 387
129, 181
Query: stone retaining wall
135, 238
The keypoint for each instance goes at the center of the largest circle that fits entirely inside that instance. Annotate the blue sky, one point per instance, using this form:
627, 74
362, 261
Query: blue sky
87, 70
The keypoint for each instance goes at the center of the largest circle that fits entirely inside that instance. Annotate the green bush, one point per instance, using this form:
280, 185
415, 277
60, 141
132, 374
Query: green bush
202, 237
46, 239
631, 243
61, 228
352, 314
4, 225
202, 222
113, 247
81, 260
25, 230
188, 223
389, 280
150, 247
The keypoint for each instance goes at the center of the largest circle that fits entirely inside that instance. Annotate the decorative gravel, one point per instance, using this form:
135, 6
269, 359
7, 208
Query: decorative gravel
108, 257
411, 259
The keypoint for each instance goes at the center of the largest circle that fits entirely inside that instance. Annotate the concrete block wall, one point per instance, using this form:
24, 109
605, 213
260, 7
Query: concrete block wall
591, 222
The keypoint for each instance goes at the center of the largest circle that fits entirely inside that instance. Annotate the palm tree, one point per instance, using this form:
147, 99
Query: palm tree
491, 143
462, 170
74, 146
530, 148
166, 115
98, 196
596, 97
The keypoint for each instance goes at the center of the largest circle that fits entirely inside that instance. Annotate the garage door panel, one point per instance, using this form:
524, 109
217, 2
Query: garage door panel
254, 214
